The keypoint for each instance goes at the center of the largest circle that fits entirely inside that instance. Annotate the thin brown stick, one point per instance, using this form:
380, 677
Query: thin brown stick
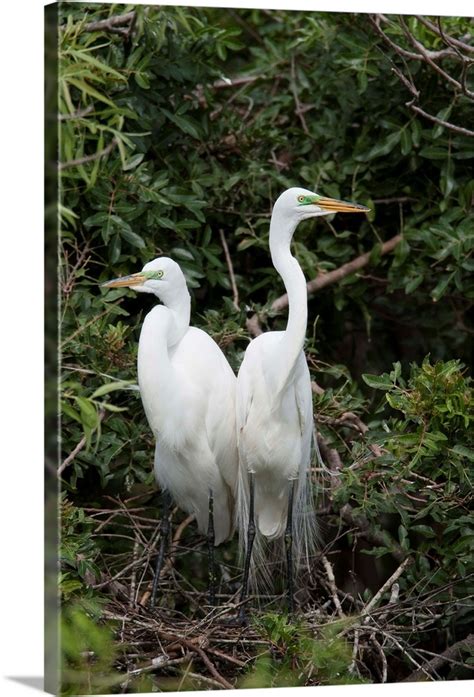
428, 57
442, 122
438, 661
235, 82
235, 291
213, 670
114, 25
433, 55
77, 449
88, 158
193, 646
298, 111
447, 38
332, 585
382, 655
80, 113
388, 583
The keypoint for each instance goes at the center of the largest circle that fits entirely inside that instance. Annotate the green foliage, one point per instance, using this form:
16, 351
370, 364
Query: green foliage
78, 552
422, 476
87, 651
295, 657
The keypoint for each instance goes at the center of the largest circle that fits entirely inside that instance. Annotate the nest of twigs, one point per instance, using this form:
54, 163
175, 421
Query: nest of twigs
183, 643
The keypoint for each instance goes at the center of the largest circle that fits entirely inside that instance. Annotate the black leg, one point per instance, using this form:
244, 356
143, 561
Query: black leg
164, 532
211, 538
250, 539
289, 549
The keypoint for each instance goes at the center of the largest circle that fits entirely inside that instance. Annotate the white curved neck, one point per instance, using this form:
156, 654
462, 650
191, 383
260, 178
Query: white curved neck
179, 305
160, 387
291, 345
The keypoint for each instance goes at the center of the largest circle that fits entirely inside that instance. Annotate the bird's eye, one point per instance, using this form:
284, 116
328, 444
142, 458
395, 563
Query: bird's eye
301, 199
154, 275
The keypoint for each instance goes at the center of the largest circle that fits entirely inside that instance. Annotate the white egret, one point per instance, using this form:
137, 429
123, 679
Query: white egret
188, 392
274, 409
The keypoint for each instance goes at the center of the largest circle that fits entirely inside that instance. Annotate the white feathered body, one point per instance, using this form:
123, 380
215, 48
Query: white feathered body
274, 426
188, 393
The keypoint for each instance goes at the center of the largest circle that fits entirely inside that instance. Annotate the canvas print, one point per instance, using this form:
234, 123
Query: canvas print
265, 289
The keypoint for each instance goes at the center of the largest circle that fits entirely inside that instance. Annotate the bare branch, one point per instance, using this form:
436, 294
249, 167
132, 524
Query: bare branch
326, 279
298, 111
441, 122
448, 39
113, 25
447, 655
429, 57
433, 55
332, 585
323, 280
388, 584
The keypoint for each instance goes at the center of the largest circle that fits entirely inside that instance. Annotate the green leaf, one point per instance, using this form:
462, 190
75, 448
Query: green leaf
184, 124
88, 89
111, 387
378, 382
463, 451
441, 287
89, 414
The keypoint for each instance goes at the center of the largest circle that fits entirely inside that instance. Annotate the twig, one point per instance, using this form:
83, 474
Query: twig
192, 645
76, 114
332, 585
433, 55
112, 24
170, 559
298, 111
448, 39
133, 581
77, 449
209, 681
158, 662
429, 57
441, 122
88, 158
447, 656
235, 291
388, 583
382, 656
355, 649
213, 670
80, 329
438, 661
236, 81
68, 283
338, 274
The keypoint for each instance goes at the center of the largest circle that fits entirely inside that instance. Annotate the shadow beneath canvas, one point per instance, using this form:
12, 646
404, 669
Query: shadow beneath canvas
35, 681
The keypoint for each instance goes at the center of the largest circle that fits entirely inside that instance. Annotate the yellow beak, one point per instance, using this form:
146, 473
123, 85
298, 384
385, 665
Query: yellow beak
136, 279
335, 206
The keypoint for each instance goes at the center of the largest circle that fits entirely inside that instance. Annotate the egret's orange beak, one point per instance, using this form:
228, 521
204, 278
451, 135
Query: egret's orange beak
135, 279
335, 206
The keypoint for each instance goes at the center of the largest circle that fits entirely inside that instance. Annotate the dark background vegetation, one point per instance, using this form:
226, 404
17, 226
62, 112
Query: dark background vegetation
178, 129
